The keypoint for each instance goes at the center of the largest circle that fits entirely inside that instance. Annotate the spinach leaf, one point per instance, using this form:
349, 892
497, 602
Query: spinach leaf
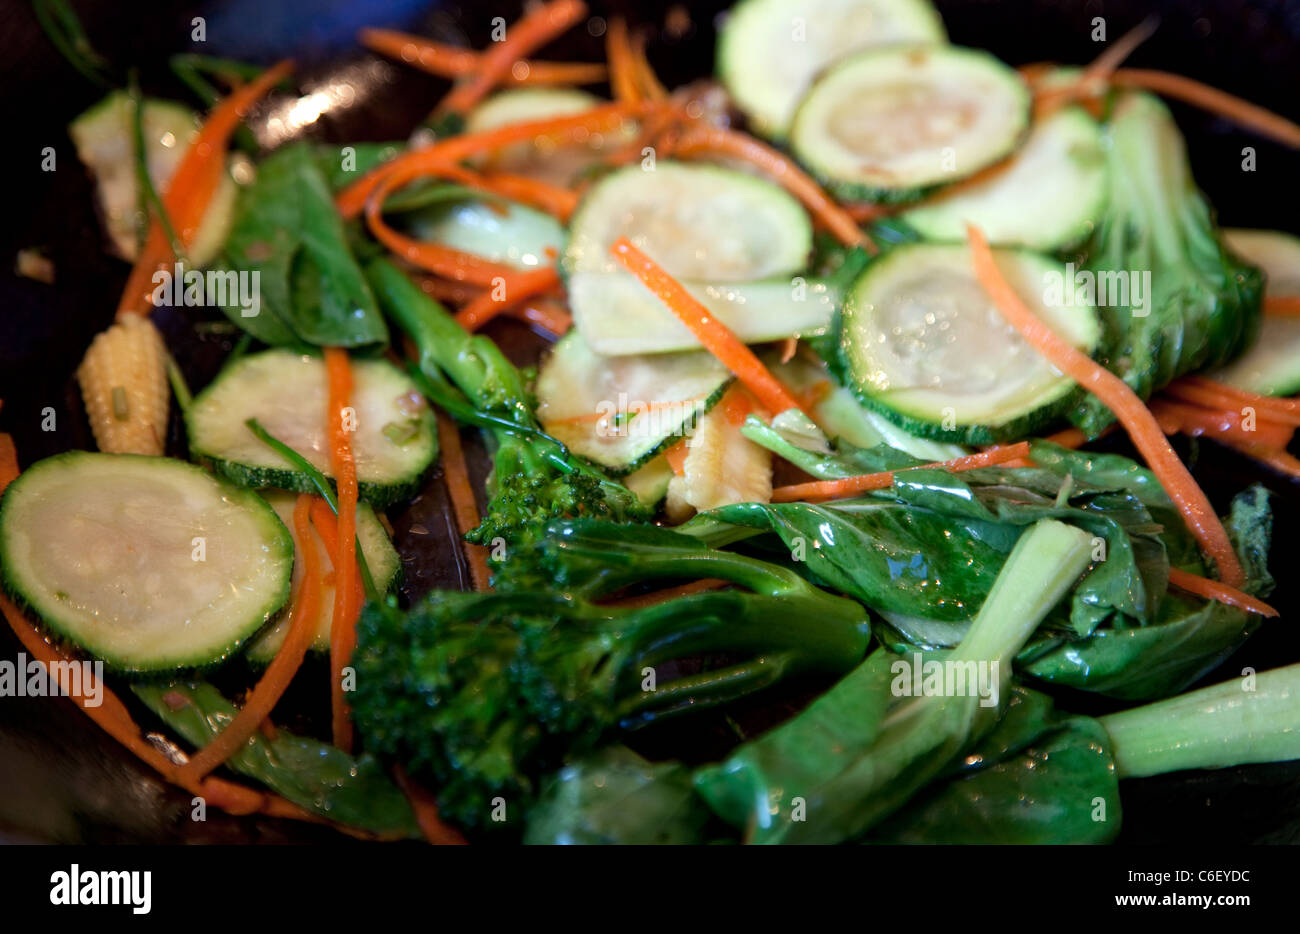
615, 796
312, 290
355, 791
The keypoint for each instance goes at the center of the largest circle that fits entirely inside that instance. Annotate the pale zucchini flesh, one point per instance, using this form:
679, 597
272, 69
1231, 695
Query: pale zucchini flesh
1048, 198
512, 234
148, 563
394, 441
617, 315
889, 125
381, 558
106, 145
619, 412
769, 51
1270, 366
923, 344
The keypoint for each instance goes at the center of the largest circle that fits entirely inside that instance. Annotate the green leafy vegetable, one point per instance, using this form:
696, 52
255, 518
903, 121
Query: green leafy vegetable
354, 791
484, 693
312, 291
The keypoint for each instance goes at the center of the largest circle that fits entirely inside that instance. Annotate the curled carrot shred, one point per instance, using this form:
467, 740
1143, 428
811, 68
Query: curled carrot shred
347, 595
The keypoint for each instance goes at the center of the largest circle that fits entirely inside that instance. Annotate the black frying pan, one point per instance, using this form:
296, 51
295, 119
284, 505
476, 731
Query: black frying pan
63, 780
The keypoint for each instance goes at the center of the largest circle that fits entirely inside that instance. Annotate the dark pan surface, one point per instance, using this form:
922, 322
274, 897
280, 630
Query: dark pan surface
63, 780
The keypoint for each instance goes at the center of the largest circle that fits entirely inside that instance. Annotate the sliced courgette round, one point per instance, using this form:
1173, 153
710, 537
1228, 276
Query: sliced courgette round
769, 51
105, 145
381, 558
924, 344
888, 125
621, 411
1048, 198
1271, 366
713, 229
394, 442
512, 234
148, 563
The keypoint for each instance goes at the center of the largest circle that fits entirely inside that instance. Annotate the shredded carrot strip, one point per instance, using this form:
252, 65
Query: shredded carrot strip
515, 289
850, 486
303, 620
461, 493
738, 403
347, 599
8, 461
1285, 306
1136, 418
192, 186
547, 314
353, 199
622, 69
1093, 80
1205, 392
552, 199
1214, 590
716, 337
669, 593
445, 290
651, 87
1275, 458
1072, 438
1244, 113
450, 61
536, 28
426, 812
709, 139
1223, 424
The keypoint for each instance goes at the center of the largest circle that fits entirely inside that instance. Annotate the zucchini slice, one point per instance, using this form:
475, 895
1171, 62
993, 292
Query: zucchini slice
148, 563
716, 230
769, 51
516, 236
620, 412
1271, 366
618, 315
381, 557
559, 165
650, 482
1047, 199
888, 125
700, 222
923, 344
286, 392
105, 145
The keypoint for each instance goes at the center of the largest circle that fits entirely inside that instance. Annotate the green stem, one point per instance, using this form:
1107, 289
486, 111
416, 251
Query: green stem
150, 201
64, 29
1232, 723
181, 389
708, 688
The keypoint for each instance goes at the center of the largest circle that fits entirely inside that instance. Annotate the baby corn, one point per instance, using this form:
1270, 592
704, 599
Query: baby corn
124, 384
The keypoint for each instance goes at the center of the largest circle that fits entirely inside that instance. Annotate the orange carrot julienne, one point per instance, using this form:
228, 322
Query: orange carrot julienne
547, 314
535, 29
353, 199
1141, 425
1284, 306
622, 68
8, 461
676, 456
1068, 438
451, 61
716, 337
347, 601
461, 493
646, 79
303, 620
850, 486
1281, 461
1214, 590
514, 289
552, 199
1264, 122
1224, 424
426, 812
1209, 394
710, 139
192, 186
1093, 80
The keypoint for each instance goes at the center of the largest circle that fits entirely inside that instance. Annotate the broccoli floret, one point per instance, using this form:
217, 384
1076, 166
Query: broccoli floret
534, 478
482, 694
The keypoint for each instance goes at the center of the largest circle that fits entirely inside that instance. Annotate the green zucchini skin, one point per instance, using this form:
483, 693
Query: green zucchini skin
845, 174
28, 591
1026, 415
254, 386
575, 379
1270, 366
